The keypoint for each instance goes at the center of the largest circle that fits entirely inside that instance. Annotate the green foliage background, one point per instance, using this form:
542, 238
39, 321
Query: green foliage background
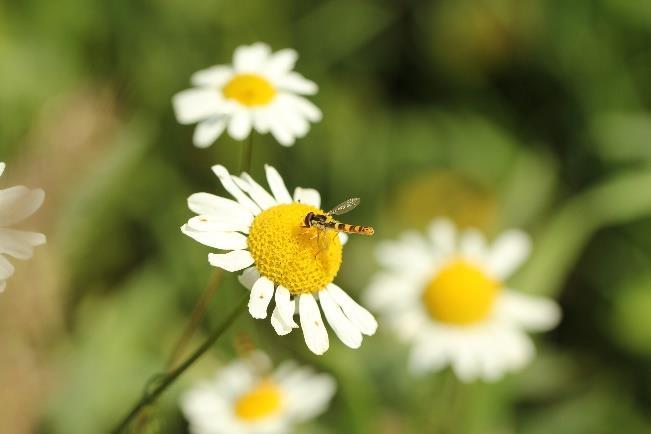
497, 113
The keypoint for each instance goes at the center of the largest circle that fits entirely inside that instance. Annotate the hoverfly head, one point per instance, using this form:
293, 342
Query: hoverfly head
307, 221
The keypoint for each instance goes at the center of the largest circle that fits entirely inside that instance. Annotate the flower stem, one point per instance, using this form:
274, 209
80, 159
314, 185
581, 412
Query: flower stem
198, 312
165, 380
247, 155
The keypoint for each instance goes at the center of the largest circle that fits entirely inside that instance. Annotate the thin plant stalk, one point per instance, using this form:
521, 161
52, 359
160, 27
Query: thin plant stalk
198, 312
162, 382
247, 155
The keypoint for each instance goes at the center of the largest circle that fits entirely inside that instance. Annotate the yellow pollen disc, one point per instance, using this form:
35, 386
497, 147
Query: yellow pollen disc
260, 402
460, 293
249, 89
289, 254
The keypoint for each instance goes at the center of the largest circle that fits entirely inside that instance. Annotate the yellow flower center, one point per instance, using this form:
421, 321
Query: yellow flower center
260, 402
249, 89
460, 293
288, 254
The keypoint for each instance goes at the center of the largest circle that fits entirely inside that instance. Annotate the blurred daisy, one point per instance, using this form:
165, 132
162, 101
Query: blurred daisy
263, 235
258, 91
446, 295
242, 399
16, 204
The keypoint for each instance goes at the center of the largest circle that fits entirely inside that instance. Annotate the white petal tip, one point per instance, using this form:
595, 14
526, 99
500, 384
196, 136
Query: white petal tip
257, 314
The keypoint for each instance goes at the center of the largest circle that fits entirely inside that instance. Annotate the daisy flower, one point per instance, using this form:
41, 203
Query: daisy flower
246, 398
446, 295
16, 204
258, 91
263, 235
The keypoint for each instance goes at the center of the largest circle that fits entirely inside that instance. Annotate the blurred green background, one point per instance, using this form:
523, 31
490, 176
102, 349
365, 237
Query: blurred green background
497, 113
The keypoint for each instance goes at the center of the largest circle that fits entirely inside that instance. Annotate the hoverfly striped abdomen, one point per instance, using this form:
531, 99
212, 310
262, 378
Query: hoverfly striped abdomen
354, 229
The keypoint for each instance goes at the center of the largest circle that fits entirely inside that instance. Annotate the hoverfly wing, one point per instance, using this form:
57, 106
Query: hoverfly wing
345, 206
323, 240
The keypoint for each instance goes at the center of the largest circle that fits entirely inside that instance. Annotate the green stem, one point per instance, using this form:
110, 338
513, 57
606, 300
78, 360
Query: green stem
199, 311
166, 380
247, 155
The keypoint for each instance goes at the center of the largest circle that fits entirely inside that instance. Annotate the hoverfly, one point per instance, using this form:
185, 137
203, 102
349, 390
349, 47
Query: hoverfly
325, 222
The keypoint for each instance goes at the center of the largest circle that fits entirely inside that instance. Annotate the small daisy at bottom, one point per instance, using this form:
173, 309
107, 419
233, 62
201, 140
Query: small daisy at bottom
264, 236
246, 397
445, 294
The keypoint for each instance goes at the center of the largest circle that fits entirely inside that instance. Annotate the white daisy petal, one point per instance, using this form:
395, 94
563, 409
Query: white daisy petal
197, 403
19, 202
443, 235
19, 244
314, 331
219, 207
390, 291
261, 294
240, 124
296, 123
277, 185
427, 355
517, 349
215, 76
464, 362
309, 396
285, 306
281, 132
249, 277
280, 327
409, 323
472, 245
359, 316
2, 168
251, 58
281, 62
343, 238
234, 190
261, 120
194, 105
208, 223
491, 355
508, 252
259, 194
231, 261
295, 82
307, 196
410, 254
344, 328
217, 240
208, 131
303, 106
531, 312
277, 124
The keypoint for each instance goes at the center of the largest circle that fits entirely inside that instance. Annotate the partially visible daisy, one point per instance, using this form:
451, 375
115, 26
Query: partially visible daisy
263, 235
16, 204
258, 91
245, 398
447, 295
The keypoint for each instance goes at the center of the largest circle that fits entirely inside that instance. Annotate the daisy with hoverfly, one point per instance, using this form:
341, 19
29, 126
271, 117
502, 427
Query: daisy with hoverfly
269, 237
